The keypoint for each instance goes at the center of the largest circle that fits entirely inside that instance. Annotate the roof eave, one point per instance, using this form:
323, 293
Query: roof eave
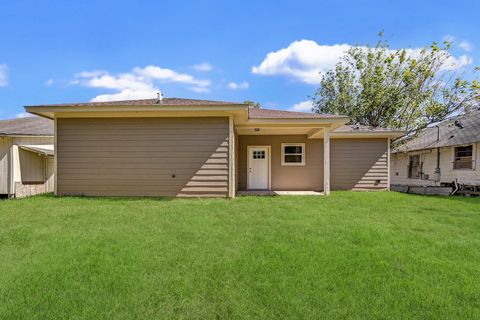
13, 135
50, 111
372, 134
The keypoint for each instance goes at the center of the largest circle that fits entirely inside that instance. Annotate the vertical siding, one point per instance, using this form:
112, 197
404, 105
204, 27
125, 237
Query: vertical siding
359, 164
32, 167
142, 156
399, 167
5, 143
308, 177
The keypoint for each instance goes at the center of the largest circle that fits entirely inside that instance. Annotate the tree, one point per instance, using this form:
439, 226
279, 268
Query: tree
402, 89
253, 104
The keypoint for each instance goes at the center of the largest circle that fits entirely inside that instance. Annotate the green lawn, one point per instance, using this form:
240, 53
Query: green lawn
348, 256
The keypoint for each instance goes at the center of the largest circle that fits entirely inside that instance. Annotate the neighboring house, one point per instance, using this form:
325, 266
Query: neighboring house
184, 147
440, 155
26, 156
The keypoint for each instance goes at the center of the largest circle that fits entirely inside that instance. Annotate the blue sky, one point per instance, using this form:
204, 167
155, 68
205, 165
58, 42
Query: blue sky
267, 51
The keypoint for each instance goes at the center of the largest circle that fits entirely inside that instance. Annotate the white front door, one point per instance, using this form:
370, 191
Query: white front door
258, 168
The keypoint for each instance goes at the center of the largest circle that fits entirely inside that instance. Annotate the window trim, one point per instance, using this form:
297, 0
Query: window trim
292, 144
409, 167
473, 157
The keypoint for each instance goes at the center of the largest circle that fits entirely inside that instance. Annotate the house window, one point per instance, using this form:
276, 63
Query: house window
293, 154
463, 157
414, 167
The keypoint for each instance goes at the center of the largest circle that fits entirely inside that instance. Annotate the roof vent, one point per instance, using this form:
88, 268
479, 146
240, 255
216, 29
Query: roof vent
458, 124
159, 97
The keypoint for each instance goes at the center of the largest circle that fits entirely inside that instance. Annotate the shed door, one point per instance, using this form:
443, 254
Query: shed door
258, 168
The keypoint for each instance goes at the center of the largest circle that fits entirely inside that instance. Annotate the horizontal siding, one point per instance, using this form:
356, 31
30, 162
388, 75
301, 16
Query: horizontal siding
399, 167
359, 164
143, 157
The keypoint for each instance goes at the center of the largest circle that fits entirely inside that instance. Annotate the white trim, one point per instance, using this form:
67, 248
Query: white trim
326, 161
231, 159
55, 157
388, 164
293, 145
269, 150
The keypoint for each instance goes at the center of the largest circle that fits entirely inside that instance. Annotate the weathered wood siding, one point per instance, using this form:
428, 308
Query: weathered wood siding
142, 156
399, 167
359, 164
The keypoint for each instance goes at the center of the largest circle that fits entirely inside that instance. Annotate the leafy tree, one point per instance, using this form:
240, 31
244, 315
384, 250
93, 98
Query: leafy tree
400, 89
253, 104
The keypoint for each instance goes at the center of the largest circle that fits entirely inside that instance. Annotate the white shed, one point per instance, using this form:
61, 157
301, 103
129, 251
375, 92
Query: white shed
26, 156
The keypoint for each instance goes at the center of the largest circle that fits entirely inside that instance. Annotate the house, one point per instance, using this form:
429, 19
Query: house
185, 147
440, 155
26, 156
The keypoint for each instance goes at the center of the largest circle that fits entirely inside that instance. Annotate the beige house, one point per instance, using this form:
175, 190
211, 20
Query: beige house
26, 157
440, 155
184, 147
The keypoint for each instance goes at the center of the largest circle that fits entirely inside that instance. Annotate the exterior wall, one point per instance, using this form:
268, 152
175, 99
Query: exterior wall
308, 177
142, 156
399, 167
30, 189
32, 167
359, 164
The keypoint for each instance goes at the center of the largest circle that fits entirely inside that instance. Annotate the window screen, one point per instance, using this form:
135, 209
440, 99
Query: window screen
463, 157
293, 154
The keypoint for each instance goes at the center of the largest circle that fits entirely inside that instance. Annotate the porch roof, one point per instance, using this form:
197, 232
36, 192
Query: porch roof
43, 149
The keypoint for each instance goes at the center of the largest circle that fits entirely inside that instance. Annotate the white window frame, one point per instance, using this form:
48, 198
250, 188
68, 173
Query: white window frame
302, 154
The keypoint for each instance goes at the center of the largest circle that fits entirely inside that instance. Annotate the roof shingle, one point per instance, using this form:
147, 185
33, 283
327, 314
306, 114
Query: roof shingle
30, 126
254, 113
145, 102
459, 130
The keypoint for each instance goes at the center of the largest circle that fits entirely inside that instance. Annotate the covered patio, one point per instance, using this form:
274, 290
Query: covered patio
284, 153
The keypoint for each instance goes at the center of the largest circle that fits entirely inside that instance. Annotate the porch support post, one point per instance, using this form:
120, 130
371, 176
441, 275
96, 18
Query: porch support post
326, 161
231, 158
55, 157
388, 164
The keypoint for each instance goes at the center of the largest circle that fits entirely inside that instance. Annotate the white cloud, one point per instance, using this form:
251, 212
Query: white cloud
203, 67
304, 106
3, 75
168, 75
23, 115
49, 82
140, 83
465, 45
305, 60
238, 86
452, 63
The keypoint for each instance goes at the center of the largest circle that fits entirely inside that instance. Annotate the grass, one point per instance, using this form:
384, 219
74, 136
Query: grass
348, 256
